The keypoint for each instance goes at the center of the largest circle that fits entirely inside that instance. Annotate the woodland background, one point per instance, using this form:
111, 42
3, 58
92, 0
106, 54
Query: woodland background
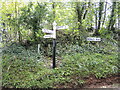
21, 25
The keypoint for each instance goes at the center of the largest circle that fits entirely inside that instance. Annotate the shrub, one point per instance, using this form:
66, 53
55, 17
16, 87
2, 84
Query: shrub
97, 64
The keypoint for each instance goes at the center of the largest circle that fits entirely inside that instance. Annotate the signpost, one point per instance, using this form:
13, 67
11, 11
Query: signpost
52, 34
47, 31
93, 39
54, 43
62, 27
48, 36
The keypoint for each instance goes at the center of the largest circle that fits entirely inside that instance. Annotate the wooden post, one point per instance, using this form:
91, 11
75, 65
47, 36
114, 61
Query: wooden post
54, 44
38, 48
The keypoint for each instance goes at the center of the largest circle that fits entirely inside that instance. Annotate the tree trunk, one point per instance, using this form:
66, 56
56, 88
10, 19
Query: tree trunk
53, 6
100, 14
86, 11
20, 36
99, 19
112, 19
118, 7
95, 19
104, 14
79, 13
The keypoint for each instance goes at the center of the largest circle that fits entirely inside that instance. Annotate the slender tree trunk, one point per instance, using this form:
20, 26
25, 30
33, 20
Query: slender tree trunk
84, 16
19, 32
80, 7
15, 27
20, 36
118, 7
99, 18
112, 20
80, 11
34, 34
96, 24
53, 6
100, 14
104, 14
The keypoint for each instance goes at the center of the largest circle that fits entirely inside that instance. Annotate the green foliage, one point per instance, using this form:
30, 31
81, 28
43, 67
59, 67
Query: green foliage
97, 64
23, 67
27, 69
106, 46
32, 17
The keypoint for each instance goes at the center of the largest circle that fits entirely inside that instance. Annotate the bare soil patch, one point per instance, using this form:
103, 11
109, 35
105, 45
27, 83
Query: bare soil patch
112, 81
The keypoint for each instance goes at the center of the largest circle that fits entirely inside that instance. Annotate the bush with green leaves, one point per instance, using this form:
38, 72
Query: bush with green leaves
27, 69
96, 64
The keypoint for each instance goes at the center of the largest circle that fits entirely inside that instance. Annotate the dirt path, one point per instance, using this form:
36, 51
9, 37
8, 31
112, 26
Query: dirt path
109, 82
112, 81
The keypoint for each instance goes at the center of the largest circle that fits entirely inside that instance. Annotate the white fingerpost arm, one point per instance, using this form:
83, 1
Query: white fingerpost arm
54, 29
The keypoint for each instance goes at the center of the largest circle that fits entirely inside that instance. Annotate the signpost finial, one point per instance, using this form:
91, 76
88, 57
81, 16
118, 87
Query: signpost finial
54, 23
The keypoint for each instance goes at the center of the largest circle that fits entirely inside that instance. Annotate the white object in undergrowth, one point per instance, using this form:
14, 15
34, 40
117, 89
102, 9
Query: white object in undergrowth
38, 48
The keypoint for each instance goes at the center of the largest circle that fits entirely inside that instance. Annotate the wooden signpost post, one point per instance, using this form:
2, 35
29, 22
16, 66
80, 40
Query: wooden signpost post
52, 34
54, 43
